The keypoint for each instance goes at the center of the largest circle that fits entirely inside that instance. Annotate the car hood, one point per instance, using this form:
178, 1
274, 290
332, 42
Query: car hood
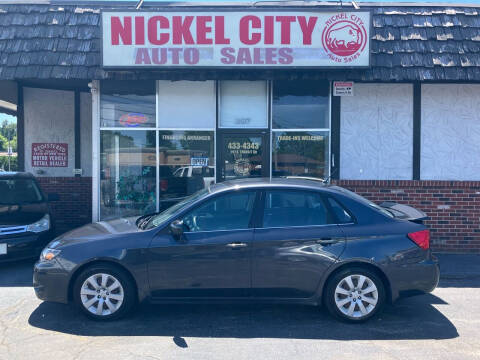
99, 231
22, 214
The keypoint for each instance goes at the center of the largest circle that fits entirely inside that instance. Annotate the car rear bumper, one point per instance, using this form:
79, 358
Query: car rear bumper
50, 282
422, 277
25, 246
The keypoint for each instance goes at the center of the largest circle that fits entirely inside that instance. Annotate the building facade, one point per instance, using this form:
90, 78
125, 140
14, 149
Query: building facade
120, 121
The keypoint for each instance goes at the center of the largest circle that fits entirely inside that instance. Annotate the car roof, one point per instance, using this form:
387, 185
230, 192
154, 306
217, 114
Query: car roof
15, 175
288, 182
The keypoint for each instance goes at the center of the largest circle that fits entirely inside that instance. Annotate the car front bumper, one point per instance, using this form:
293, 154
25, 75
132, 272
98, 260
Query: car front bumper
50, 281
25, 245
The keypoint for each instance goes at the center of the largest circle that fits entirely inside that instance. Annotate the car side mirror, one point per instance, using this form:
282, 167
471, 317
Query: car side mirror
53, 197
176, 228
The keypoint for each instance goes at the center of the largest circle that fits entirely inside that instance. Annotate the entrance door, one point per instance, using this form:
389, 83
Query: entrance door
242, 155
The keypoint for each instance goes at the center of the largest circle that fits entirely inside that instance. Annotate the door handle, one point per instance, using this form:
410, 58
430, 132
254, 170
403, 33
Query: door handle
327, 241
236, 245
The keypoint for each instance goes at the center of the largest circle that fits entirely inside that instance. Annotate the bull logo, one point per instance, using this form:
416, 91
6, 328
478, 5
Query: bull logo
344, 38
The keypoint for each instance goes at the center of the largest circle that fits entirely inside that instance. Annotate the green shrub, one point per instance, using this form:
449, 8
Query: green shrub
4, 163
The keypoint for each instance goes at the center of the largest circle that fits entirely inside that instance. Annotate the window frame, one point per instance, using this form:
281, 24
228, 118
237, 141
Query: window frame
251, 221
323, 197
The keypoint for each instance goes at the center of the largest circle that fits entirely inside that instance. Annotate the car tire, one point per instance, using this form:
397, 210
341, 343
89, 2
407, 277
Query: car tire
104, 292
354, 295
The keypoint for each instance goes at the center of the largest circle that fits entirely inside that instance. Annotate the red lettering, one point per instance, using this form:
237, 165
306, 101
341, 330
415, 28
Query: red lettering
257, 56
228, 58
307, 28
142, 57
181, 30
220, 31
175, 55
285, 22
203, 30
269, 30
244, 56
154, 23
139, 30
285, 56
159, 56
121, 31
245, 30
270, 54
191, 56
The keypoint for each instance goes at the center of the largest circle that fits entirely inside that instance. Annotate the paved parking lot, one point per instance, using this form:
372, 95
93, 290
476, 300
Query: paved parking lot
442, 325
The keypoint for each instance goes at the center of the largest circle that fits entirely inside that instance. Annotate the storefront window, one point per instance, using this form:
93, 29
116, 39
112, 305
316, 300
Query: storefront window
187, 164
300, 104
127, 173
300, 153
243, 104
127, 104
186, 105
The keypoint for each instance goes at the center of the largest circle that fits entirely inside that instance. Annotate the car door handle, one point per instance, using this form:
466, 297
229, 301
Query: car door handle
326, 241
236, 245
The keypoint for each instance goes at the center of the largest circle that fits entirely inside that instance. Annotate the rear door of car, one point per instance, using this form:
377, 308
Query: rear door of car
296, 240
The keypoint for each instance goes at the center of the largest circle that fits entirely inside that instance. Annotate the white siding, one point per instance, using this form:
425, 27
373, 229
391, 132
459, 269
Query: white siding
450, 148
376, 132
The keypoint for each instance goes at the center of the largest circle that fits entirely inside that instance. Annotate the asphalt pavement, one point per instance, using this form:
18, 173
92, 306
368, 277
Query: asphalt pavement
441, 325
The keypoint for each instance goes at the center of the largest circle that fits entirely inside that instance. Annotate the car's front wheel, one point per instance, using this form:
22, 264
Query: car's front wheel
104, 292
355, 294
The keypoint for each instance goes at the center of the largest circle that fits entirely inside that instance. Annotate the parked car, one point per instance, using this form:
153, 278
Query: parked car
207, 173
26, 222
288, 240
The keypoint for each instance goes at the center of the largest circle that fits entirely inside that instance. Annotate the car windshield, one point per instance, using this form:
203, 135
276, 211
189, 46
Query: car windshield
19, 191
166, 214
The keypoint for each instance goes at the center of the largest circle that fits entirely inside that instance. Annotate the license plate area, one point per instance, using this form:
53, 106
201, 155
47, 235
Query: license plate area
3, 249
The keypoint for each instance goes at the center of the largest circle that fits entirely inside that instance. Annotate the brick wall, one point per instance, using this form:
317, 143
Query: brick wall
453, 207
74, 208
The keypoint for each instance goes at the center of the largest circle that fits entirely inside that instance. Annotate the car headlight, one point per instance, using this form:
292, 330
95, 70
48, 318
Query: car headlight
41, 225
49, 254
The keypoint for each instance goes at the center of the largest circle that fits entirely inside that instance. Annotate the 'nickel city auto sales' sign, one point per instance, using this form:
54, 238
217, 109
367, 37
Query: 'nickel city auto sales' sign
236, 39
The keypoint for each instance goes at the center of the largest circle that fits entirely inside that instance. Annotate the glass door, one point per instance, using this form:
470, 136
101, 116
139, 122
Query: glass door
242, 155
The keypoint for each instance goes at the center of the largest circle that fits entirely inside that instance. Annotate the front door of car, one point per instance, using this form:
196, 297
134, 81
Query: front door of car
294, 246
213, 256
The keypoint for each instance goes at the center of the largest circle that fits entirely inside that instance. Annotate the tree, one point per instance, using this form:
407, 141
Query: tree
3, 143
8, 130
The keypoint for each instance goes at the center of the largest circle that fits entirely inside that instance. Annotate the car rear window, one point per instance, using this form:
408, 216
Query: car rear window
19, 191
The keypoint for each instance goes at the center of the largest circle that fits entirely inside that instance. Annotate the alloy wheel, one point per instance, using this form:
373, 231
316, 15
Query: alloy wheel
102, 294
356, 296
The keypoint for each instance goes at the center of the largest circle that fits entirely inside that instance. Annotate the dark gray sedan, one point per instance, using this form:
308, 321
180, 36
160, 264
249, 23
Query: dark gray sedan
282, 240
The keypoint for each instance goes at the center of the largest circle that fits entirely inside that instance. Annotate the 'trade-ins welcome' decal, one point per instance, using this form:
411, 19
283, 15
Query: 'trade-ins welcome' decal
236, 39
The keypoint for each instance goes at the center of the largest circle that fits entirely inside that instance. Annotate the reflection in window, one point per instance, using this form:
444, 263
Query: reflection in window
300, 153
128, 175
243, 104
300, 104
294, 208
228, 212
127, 104
187, 164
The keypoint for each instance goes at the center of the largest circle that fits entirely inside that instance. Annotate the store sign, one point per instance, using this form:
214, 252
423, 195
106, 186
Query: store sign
236, 39
343, 88
133, 119
49, 155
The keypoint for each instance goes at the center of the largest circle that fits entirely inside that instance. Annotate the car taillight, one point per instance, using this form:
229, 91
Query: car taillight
163, 185
421, 238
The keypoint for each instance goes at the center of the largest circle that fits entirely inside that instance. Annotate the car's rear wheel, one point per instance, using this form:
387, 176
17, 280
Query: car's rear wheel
104, 292
355, 294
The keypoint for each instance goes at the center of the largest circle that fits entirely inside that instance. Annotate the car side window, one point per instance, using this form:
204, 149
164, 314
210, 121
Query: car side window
295, 208
342, 215
226, 212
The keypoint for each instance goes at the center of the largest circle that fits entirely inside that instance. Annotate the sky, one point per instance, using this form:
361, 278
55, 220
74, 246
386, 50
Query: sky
9, 118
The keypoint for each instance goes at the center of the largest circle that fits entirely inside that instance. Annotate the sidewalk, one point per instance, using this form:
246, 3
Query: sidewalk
459, 266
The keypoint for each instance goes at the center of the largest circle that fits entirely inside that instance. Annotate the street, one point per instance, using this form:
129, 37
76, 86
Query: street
442, 325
